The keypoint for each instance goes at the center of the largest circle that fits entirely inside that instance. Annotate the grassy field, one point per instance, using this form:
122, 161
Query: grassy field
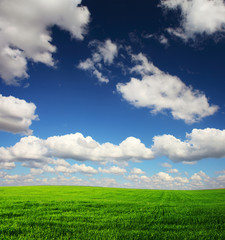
67, 212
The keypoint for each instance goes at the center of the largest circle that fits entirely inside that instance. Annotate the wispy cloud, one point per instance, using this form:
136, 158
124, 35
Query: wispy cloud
102, 53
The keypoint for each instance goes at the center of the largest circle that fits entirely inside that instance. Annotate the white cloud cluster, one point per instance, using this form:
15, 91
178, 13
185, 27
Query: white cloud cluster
160, 91
16, 115
33, 151
198, 16
200, 144
25, 33
82, 168
7, 165
113, 170
104, 52
173, 170
160, 180
137, 171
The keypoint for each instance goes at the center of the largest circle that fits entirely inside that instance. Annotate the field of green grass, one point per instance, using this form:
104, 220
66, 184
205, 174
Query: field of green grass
67, 212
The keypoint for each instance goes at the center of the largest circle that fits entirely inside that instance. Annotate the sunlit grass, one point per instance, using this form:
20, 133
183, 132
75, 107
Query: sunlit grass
66, 212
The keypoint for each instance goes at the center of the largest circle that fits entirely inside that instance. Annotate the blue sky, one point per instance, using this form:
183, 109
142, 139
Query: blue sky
104, 93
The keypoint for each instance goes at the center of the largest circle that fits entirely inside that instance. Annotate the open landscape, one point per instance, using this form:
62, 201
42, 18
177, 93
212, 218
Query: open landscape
112, 119
68, 212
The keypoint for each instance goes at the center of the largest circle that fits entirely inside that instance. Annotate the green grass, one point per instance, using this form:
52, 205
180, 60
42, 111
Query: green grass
67, 212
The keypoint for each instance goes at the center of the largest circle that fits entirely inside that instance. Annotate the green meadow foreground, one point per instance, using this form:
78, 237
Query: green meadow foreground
67, 212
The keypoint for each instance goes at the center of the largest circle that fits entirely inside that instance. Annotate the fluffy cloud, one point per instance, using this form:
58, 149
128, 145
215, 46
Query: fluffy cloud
16, 115
82, 168
159, 181
200, 144
34, 152
77, 147
104, 52
160, 91
137, 171
25, 33
166, 165
198, 16
113, 170
7, 165
173, 170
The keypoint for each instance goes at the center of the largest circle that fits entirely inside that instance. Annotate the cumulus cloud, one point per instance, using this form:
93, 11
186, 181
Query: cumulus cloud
173, 170
7, 165
113, 170
200, 144
34, 152
159, 180
160, 91
198, 16
166, 165
16, 115
82, 168
25, 32
137, 171
103, 52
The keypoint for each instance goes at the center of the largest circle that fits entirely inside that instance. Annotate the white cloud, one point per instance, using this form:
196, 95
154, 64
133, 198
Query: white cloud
61, 162
160, 38
82, 168
162, 176
163, 40
160, 91
34, 152
200, 144
7, 165
166, 165
16, 115
181, 180
198, 16
113, 170
36, 171
189, 163
195, 177
137, 171
100, 77
25, 33
77, 147
221, 179
104, 52
160, 180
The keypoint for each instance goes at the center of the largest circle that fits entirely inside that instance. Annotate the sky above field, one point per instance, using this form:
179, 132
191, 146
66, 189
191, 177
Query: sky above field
112, 93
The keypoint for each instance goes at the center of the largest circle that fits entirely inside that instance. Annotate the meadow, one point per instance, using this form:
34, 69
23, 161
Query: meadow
69, 212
